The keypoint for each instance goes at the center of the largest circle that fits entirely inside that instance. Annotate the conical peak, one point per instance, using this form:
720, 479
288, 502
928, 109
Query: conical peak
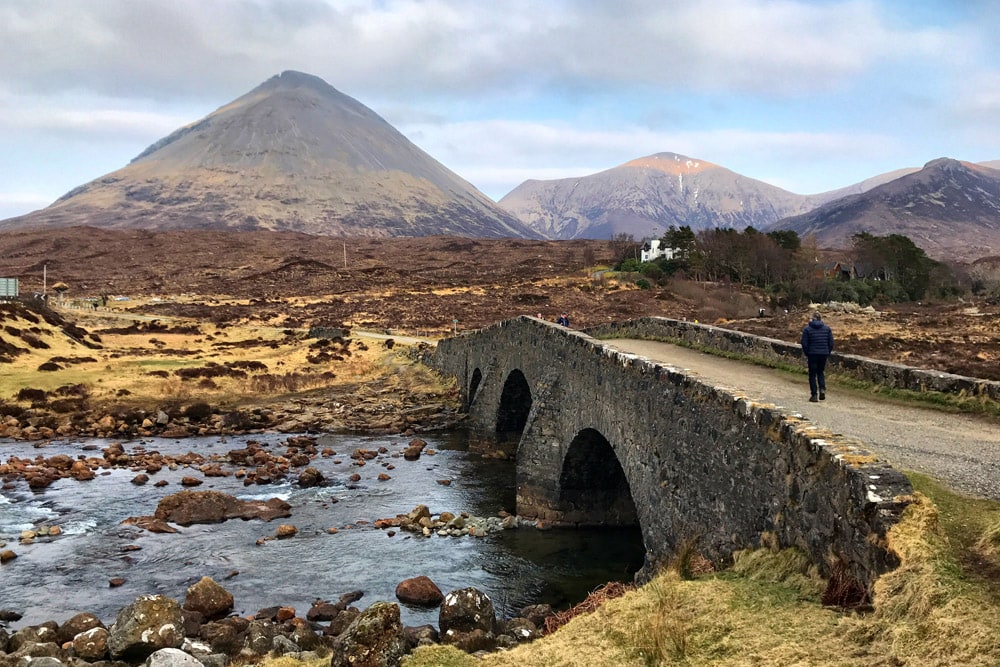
290, 79
294, 153
299, 85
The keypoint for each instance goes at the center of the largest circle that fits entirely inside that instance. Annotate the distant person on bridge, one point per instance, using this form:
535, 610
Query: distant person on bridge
563, 320
817, 344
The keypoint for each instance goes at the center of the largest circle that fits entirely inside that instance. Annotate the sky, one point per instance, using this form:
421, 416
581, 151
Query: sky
806, 95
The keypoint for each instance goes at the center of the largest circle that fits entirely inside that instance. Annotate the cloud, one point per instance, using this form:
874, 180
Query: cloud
93, 123
450, 47
17, 203
504, 91
978, 97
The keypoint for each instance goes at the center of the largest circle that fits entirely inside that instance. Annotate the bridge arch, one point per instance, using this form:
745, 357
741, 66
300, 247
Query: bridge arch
593, 487
477, 378
514, 407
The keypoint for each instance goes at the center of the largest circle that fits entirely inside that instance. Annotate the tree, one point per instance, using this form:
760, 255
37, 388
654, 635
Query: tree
624, 246
60, 289
786, 238
681, 239
897, 259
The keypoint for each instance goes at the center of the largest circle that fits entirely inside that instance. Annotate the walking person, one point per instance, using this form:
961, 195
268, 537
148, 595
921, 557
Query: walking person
817, 344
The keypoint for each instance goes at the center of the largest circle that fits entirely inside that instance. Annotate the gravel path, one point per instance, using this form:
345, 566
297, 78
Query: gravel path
962, 451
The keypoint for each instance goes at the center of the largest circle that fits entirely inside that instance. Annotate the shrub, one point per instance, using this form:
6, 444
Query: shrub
210, 370
29, 394
71, 390
34, 341
46, 421
127, 414
238, 420
652, 272
248, 365
10, 410
198, 412
64, 405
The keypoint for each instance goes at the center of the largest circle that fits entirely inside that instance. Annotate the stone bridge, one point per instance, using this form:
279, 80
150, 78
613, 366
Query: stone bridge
607, 438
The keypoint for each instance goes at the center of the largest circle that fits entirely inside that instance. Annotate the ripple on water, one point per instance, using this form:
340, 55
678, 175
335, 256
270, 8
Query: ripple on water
282, 492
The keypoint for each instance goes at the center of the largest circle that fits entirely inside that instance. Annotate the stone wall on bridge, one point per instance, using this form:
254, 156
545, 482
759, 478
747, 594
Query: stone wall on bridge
609, 438
770, 349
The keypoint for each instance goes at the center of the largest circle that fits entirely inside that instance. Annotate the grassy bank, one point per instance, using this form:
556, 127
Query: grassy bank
940, 607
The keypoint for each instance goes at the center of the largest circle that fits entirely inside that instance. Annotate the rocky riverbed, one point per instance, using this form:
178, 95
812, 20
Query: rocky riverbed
159, 630
287, 524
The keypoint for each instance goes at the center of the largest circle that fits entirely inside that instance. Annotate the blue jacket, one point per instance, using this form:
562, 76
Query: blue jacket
817, 338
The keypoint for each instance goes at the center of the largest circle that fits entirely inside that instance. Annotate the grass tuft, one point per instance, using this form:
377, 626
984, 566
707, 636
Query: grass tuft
988, 545
437, 656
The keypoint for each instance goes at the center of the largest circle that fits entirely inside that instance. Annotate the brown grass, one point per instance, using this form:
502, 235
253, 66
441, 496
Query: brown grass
602, 594
936, 609
266, 363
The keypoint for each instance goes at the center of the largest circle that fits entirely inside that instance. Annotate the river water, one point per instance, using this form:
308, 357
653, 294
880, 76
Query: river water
57, 577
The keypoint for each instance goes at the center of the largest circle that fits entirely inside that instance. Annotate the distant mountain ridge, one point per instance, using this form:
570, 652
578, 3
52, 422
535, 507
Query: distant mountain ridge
949, 208
644, 196
293, 154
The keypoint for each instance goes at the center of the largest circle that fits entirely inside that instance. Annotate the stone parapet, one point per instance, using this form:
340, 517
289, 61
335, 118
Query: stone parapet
884, 373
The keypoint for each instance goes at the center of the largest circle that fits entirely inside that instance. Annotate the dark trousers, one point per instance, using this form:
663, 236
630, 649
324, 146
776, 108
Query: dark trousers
817, 373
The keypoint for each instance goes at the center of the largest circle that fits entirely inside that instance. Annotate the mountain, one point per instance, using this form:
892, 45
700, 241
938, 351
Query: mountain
862, 186
645, 196
949, 208
293, 154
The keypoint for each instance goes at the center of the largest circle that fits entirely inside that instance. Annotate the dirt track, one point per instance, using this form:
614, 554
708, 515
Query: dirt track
963, 451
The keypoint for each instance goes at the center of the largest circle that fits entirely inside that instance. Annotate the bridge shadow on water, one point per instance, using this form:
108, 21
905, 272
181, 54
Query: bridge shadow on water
575, 559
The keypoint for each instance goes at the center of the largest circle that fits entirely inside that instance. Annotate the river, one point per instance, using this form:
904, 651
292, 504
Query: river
57, 577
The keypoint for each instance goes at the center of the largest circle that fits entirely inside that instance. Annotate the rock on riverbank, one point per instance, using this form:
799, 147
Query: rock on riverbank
158, 630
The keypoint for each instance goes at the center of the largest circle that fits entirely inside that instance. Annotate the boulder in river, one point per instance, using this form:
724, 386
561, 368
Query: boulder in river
150, 523
310, 477
420, 591
189, 507
285, 531
414, 449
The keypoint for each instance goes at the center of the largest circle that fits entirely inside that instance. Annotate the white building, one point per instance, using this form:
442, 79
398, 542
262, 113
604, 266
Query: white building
651, 250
